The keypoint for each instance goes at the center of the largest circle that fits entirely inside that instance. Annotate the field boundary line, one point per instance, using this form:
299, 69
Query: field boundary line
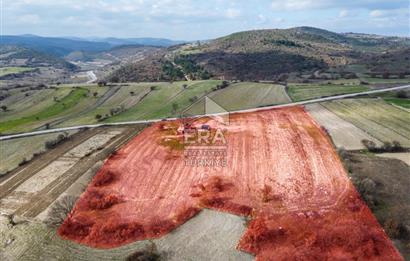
317, 100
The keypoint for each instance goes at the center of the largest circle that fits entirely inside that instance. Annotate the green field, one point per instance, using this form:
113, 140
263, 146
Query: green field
246, 95
59, 107
303, 92
405, 103
371, 80
10, 70
376, 117
159, 103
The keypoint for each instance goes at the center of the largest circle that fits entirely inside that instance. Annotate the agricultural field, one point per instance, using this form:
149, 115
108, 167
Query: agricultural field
12, 155
31, 188
380, 120
301, 92
13, 70
26, 109
239, 96
343, 133
168, 100
207, 232
307, 191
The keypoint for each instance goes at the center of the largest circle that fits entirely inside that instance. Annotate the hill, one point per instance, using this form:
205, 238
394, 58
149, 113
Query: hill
11, 55
157, 42
53, 45
261, 55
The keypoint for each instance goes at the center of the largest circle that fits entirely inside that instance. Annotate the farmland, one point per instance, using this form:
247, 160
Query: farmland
13, 70
344, 134
302, 92
63, 106
68, 105
283, 197
375, 117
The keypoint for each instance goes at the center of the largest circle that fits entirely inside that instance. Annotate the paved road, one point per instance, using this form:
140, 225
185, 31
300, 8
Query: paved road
92, 77
337, 97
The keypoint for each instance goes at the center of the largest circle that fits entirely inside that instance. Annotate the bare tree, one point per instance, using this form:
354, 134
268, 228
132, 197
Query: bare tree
59, 210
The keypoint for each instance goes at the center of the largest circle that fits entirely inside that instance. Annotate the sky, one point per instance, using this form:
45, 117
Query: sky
200, 19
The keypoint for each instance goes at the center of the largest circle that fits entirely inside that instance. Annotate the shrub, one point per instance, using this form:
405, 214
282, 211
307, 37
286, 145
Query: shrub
59, 210
53, 143
402, 94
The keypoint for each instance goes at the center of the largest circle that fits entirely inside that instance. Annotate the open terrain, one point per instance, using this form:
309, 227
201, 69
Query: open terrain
277, 173
13, 70
344, 134
67, 105
301, 92
383, 183
375, 117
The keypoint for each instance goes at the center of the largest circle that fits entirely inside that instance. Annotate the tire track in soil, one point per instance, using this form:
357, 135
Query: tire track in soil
15, 178
49, 194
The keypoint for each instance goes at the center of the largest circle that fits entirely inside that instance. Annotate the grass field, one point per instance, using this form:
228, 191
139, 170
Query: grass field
384, 81
405, 103
376, 117
10, 70
249, 95
12, 154
310, 91
59, 107
159, 103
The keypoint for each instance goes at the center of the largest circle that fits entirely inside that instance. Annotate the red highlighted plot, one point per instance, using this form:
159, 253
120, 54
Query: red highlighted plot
281, 170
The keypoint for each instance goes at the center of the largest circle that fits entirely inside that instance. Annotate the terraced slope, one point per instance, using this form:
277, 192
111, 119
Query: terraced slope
63, 106
374, 116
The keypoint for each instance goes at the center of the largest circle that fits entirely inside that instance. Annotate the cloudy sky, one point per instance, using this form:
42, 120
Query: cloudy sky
200, 19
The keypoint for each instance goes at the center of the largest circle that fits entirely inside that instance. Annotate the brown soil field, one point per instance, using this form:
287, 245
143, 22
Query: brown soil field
281, 170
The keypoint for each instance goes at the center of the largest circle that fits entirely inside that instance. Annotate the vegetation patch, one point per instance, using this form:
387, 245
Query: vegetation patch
14, 70
59, 107
312, 91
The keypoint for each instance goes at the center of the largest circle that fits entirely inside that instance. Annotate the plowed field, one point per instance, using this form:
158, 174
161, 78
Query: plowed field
281, 171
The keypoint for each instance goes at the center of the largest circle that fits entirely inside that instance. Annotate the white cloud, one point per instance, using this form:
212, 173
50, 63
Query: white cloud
29, 19
232, 13
343, 13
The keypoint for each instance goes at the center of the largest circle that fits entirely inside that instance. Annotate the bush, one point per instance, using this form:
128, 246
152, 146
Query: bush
402, 94
143, 256
53, 143
60, 210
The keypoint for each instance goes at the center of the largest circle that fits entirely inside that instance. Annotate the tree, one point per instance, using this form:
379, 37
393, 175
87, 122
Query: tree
193, 99
175, 107
98, 117
132, 93
4, 107
153, 88
59, 211
402, 94
95, 94
386, 75
185, 86
102, 83
387, 146
370, 145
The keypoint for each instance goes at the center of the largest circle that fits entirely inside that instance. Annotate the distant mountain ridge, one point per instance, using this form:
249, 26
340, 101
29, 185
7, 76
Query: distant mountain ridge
62, 46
